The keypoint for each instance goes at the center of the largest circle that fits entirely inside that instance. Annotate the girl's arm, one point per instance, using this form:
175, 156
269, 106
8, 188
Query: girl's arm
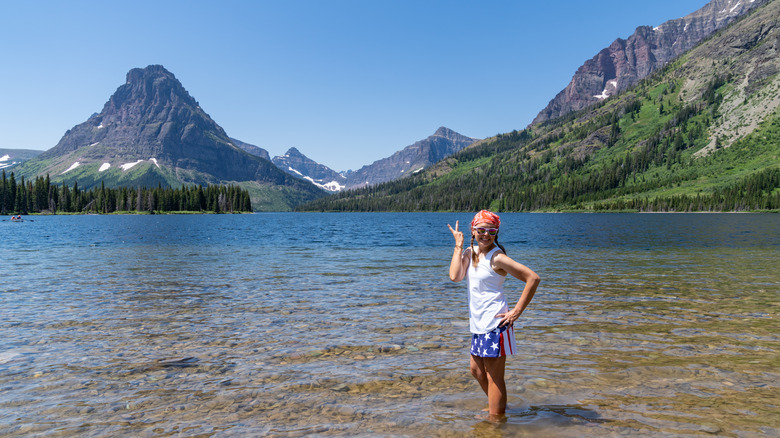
460, 259
521, 272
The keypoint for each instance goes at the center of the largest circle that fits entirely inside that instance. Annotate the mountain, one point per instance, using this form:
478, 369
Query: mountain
700, 134
150, 132
412, 159
625, 62
297, 164
10, 158
252, 149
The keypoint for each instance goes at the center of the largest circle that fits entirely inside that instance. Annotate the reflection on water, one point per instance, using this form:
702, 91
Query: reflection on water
293, 325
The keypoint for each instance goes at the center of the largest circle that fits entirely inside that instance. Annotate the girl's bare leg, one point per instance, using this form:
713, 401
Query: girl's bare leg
489, 373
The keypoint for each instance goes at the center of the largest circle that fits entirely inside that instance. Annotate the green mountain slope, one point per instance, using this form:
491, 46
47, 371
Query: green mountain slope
703, 134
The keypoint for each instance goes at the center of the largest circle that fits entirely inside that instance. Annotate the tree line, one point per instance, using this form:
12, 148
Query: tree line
41, 196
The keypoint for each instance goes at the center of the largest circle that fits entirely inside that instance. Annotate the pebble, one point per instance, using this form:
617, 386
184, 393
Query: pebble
340, 388
710, 428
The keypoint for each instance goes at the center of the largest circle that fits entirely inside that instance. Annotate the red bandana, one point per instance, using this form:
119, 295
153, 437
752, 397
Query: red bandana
486, 217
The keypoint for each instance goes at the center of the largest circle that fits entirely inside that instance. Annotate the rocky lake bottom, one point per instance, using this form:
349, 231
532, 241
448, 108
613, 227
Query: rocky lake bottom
343, 325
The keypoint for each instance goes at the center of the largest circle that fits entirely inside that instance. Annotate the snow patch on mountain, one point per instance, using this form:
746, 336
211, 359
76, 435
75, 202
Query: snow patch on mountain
609, 89
128, 166
332, 186
72, 166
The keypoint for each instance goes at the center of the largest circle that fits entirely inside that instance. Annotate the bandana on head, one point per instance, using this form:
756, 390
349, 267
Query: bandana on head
486, 217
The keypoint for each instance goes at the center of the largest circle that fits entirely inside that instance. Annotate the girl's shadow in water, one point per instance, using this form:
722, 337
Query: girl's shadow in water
534, 421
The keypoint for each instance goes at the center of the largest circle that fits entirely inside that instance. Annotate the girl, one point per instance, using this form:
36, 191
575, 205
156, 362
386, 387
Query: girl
491, 322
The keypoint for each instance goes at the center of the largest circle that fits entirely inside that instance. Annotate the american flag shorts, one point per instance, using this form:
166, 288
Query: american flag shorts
496, 343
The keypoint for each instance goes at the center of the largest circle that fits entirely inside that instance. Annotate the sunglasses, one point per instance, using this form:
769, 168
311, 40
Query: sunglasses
490, 231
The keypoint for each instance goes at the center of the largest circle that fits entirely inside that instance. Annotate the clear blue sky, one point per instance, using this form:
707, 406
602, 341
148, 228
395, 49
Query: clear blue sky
347, 82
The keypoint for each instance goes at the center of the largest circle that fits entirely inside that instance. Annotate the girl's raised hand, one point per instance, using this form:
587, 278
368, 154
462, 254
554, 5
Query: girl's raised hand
456, 234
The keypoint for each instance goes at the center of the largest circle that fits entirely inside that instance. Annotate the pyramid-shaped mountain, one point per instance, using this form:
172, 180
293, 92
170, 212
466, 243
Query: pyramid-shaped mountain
151, 131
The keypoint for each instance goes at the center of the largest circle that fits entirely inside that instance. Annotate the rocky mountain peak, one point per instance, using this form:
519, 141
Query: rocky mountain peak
151, 115
152, 95
413, 158
627, 61
444, 132
139, 75
297, 164
153, 84
294, 152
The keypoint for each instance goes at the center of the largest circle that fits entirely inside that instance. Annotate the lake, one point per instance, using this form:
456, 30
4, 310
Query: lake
296, 324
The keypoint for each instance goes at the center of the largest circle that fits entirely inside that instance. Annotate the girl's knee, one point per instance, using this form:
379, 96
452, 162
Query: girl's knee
476, 372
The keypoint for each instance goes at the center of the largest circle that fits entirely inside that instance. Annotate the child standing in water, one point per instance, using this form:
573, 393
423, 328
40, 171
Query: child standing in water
485, 266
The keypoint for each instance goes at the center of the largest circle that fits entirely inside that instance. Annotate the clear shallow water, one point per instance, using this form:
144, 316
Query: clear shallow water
345, 324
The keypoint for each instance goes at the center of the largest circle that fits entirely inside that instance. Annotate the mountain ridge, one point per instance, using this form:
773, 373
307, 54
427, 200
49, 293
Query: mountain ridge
408, 160
10, 158
700, 134
411, 159
297, 164
626, 61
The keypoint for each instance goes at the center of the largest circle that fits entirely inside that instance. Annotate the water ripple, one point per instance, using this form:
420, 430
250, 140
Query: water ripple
644, 325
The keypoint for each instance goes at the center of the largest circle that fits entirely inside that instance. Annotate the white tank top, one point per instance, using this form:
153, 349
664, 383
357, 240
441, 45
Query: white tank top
486, 295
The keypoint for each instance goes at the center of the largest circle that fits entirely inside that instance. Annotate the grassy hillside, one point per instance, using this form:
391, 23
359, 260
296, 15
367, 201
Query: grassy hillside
703, 134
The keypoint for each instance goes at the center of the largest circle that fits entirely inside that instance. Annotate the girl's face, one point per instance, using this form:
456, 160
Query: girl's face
484, 233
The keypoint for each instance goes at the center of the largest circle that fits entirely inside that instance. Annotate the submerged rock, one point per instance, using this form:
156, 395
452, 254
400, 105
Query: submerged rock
177, 362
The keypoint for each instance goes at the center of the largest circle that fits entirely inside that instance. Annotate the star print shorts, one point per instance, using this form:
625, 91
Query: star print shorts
497, 343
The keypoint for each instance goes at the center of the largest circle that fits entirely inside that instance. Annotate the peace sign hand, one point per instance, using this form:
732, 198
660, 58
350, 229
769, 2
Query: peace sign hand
456, 234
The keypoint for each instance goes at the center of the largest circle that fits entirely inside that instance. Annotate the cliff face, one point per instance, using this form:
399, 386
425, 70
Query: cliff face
411, 159
625, 62
252, 149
